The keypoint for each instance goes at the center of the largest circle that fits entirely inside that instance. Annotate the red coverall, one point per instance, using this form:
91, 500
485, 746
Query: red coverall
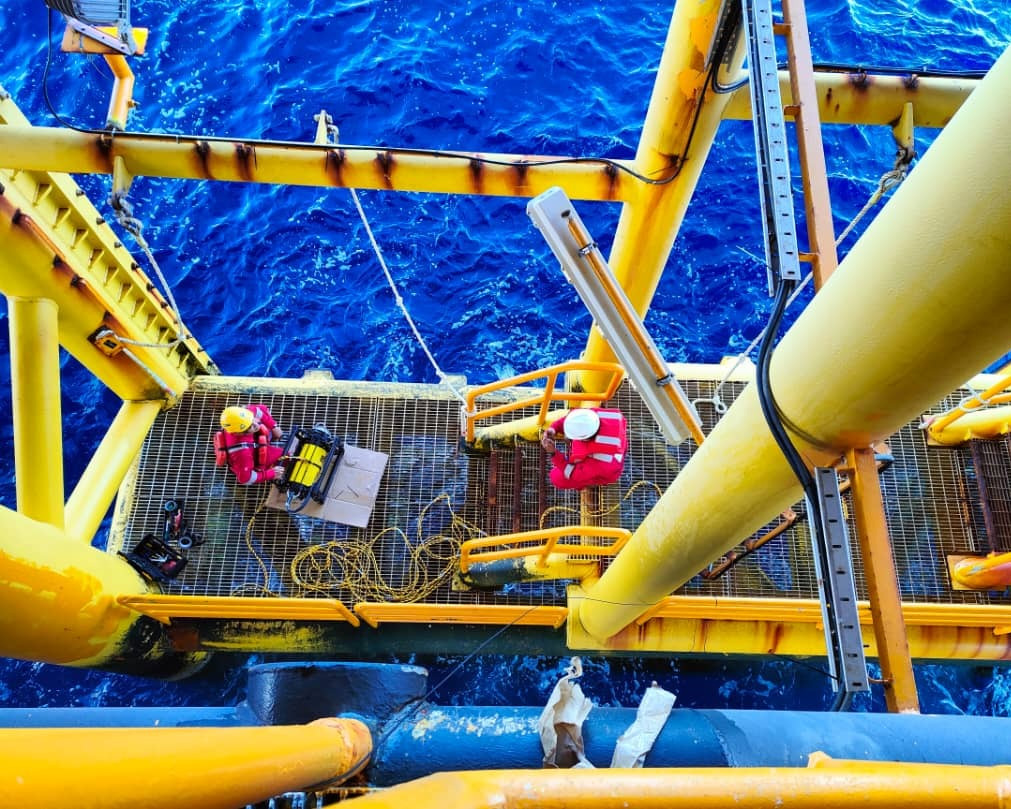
250, 455
595, 461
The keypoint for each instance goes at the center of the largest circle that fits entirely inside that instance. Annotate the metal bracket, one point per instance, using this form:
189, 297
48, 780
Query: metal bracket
778, 220
834, 565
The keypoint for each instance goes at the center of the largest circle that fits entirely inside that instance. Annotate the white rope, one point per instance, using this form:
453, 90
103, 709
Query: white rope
400, 301
888, 181
122, 208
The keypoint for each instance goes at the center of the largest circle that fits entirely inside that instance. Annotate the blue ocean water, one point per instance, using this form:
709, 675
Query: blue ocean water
276, 280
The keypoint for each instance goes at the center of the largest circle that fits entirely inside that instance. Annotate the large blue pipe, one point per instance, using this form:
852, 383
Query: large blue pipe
414, 738
435, 739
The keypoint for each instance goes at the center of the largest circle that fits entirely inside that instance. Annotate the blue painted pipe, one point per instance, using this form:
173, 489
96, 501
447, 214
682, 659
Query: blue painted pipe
435, 739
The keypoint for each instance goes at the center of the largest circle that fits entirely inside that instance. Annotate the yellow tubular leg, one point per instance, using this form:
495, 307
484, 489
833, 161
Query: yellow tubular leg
97, 487
869, 784
917, 307
122, 92
198, 768
35, 394
58, 596
676, 137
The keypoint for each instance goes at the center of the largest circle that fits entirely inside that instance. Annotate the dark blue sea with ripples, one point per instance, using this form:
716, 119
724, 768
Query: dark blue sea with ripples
275, 280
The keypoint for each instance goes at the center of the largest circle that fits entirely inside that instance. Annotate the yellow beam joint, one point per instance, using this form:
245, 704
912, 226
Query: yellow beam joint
491, 614
933, 297
678, 132
201, 768
864, 98
163, 608
121, 101
35, 402
343, 166
97, 488
58, 596
821, 785
882, 583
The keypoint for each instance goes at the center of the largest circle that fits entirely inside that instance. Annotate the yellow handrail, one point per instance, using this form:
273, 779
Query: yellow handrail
163, 608
469, 551
549, 394
992, 395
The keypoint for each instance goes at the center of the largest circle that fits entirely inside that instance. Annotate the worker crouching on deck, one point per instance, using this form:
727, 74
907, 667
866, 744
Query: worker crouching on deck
597, 454
243, 444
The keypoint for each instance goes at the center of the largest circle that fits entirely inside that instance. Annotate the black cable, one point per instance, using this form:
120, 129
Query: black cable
45, 78
833, 67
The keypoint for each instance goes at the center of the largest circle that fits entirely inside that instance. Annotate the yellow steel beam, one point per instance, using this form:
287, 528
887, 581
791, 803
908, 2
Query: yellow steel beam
865, 98
781, 626
253, 161
821, 785
58, 596
121, 101
57, 245
95, 491
35, 404
918, 306
882, 583
199, 768
679, 130
810, 150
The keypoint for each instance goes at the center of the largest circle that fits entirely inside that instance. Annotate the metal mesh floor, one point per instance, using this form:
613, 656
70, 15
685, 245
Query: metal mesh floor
434, 496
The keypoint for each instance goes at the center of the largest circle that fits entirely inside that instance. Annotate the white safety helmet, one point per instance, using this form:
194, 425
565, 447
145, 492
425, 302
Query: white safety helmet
581, 424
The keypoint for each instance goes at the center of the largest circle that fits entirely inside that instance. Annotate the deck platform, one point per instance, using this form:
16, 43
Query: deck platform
434, 495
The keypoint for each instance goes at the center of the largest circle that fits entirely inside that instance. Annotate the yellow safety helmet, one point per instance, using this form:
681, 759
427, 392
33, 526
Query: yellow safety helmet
581, 424
236, 419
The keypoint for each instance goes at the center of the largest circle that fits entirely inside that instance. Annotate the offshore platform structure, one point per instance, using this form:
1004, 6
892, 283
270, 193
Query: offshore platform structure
875, 385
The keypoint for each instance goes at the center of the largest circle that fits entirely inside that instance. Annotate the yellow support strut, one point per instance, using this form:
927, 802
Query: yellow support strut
199, 768
918, 306
35, 395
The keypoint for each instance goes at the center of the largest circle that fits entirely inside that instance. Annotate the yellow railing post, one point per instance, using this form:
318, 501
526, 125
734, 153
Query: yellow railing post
35, 397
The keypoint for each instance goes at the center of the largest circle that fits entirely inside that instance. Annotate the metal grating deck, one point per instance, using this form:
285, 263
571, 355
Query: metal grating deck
434, 496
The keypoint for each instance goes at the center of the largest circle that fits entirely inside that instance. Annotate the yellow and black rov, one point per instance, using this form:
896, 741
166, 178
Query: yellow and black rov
310, 460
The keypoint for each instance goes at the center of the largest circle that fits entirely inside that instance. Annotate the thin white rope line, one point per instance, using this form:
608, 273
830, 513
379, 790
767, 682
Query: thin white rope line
890, 179
400, 301
134, 227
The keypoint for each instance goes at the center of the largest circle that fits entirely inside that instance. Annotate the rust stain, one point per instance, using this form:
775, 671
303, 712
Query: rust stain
245, 161
476, 175
911, 82
611, 173
385, 161
520, 170
203, 150
103, 152
335, 159
859, 81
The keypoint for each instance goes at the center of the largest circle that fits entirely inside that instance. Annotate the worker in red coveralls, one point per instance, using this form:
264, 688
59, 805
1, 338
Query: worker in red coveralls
246, 435
597, 454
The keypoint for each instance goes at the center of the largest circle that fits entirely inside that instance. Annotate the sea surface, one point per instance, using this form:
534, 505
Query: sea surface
275, 280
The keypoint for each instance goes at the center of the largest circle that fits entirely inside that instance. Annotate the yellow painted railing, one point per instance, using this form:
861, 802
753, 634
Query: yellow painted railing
164, 608
550, 394
994, 394
374, 613
473, 550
